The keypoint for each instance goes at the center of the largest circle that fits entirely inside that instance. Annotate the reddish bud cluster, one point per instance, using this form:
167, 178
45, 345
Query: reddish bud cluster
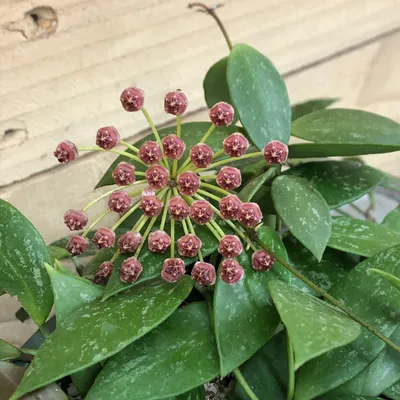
229, 178
189, 245
75, 220
201, 155
150, 205
229, 207
275, 152
178, 209
221, 114
124, 174
104, 238
159, 241
175, 103
230, 246
104, 272
203, 273
119, 202
201, 212
262, 261
157, 177
173, 269
129, 242
188, 183
173, 146
235, 145
249, 214
231, 271
132, 99
77, 245
66, 152
107, 137
150, 153
130, 270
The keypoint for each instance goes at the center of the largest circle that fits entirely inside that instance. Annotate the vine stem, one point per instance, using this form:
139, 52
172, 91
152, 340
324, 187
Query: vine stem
253, 236
215, 188
95, 222
120, 152
228, 161
129, 146
243, 383
211, 11
290, 392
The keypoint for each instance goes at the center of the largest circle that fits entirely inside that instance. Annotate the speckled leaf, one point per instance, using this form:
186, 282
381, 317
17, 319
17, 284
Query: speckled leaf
301, 109
394, 280
365, 238
247, 193
22, 254
339, 182
177, 356
392, 220
304, 211
314, 327
58, 252
383, 372
372, 299
259, 95
152, 262
332, 268
215, 85
8, 351
83, 380
353, 127
99, 330
192, 132
335, 397
266, 372
244, 315
394, 391
195, 394
71, 292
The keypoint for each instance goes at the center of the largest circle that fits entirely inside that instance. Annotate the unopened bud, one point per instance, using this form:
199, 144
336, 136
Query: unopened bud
124, 174
249, 214
275, 152
75, 219
151, 205
104, 238
173, 269
132, 99
203, 273
201, 155
230, 246
129, 242
262, 261
157, 177
104, 272
235, 145
66, 152
130, 270
173, 147
231, 271
229, 207
189, 245
229, 178
150, 153
77, 245
201, 212
175, 103
188, 183
178, 209
107, 137
221, 114
119, 202
159, 241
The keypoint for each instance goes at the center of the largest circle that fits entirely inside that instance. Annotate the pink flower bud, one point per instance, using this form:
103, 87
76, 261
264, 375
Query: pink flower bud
173, 147
130, 270
159, 241
229, 207
124, 174
151, 205
107, 137
189, 245
230, 246
132, 99
173, 269
188, 183
275, 152
178, 209
201, 212
119, 202
77, 245
201, 155
157, 177
66, 152
229, 178
129, 242
104, 238
249, 214
104, 272
175, 103
235, 145
150, 153
231, 271
262, 261
203, 273
75, 219
221, 114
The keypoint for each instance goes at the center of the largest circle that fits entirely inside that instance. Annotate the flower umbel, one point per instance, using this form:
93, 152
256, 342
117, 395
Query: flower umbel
173, 194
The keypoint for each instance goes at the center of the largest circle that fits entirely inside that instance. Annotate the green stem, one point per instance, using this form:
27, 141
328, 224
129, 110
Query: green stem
185, 227
206, 177
243, 383
172, 238
215, 188
290, 391
218, 228
165, 211
44, 331
278, 224
129, 146
193, 231
253, 236
210, 195
120, 152
218, 153
95, 222
125, 216
228, 161
115, 256
145, 234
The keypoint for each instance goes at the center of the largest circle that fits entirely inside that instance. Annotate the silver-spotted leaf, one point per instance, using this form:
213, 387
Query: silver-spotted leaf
392, 220
307, 107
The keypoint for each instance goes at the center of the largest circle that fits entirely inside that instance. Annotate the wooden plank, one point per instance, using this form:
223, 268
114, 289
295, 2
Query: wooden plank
68, 85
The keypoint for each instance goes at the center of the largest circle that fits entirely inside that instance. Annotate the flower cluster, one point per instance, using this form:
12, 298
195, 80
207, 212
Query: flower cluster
185, 191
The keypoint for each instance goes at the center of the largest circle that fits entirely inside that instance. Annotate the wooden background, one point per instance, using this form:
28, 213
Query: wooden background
68, 84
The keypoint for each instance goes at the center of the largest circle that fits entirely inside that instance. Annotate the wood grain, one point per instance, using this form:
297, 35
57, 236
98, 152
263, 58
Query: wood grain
68, 85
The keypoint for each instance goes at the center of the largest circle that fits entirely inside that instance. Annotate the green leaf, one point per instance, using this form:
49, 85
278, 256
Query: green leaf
152, 262
314, 326
332, 268
192, 132
247, 193
22, 254
259, 95
304, 211
58, 253
394, 280
244, 315
349, 127
177, 356
71, 292
266, 372
301, 109
339, 182
365, 238
335, 397
83, 380
392, 220
99, 330
366, 295
394, 391
215, 85
8, 351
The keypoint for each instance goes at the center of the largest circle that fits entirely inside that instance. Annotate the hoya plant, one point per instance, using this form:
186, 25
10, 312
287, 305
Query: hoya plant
225, 268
